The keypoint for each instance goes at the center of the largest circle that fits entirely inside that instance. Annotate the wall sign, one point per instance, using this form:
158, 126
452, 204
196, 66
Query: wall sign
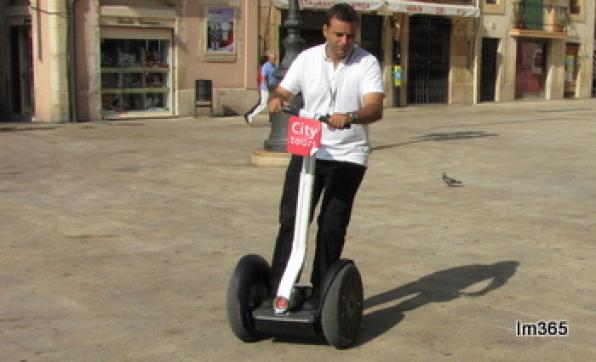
221, 22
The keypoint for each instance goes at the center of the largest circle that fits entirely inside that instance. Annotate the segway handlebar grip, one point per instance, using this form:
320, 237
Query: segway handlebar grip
303, 113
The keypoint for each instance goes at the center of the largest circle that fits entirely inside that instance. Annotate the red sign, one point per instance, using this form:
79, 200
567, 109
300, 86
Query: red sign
304, 134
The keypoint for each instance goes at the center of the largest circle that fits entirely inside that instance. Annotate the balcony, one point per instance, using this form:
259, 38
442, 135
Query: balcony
539, 19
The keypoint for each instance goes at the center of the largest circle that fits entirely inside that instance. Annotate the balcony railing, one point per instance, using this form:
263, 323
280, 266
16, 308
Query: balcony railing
537, 16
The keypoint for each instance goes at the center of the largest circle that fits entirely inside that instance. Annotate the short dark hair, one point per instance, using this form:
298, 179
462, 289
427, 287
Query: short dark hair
343, 12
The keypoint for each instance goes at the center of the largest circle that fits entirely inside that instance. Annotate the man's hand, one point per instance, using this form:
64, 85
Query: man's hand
277, 99
275, 104
339, 120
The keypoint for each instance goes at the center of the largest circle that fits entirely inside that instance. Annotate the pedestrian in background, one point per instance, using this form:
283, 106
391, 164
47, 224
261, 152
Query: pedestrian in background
267, 82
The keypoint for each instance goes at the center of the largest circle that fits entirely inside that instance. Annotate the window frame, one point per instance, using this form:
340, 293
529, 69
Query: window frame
489, 8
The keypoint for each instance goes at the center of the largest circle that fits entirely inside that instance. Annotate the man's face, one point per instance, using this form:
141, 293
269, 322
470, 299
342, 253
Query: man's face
272, 58
340, 36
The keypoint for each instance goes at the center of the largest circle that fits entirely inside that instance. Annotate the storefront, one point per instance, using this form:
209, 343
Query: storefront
146, 58
136, 51
136, 71
16, 77
436, 40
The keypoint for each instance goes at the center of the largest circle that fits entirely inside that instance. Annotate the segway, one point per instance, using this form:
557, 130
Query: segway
252, 316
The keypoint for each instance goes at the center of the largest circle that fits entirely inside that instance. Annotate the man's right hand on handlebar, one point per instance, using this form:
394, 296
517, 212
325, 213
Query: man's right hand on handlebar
278, 98
275, 105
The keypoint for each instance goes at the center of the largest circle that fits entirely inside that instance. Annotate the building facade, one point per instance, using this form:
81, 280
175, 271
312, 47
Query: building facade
78, 60
464, 51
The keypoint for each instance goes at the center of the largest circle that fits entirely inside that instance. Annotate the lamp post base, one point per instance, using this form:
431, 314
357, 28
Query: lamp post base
267, 158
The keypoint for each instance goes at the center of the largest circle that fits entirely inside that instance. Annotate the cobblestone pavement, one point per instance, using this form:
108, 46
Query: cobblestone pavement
117, 239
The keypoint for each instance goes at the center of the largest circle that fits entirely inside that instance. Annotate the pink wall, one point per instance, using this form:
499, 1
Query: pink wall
238, 74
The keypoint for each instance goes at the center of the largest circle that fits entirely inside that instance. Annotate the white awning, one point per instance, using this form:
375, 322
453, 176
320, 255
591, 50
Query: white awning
359, 5
430, 8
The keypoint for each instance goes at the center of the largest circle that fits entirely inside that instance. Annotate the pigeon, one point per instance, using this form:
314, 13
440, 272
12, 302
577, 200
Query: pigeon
451, 182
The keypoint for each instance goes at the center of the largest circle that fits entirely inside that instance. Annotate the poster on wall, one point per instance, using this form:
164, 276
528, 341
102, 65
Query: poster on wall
220, 30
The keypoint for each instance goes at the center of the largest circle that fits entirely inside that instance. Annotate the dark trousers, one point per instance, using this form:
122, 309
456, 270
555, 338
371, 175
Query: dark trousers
338, 182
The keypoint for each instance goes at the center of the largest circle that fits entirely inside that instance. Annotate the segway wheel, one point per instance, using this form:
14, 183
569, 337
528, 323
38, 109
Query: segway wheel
248, 287
342, 307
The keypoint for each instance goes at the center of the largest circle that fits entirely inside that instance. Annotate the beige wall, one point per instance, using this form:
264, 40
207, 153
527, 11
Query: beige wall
581, 31
50, 61
461, 76
88, 96
231, 76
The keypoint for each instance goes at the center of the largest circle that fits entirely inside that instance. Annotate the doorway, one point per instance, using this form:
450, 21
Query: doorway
21, 73
371, 35
571, 65
428, 64
488, 74
530, 69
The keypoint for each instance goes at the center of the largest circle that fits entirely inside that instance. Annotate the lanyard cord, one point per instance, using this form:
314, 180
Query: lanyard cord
339, 78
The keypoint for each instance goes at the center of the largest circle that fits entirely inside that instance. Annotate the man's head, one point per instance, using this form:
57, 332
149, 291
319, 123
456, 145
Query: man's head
340, 30
271, 57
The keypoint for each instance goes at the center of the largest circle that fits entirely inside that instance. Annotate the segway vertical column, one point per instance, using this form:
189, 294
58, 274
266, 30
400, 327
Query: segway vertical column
300, 242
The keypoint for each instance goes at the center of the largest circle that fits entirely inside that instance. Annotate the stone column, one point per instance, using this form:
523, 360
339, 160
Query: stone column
87, 58
50, 60
58, 59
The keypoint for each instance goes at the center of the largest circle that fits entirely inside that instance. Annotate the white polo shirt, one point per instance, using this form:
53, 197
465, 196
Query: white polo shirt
327, 90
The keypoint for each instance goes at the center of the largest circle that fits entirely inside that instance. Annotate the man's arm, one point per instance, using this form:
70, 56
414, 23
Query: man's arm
371, 111
277, 98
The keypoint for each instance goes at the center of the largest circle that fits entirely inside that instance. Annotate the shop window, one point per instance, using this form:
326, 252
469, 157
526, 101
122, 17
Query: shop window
575, 7
576, 10
135, 75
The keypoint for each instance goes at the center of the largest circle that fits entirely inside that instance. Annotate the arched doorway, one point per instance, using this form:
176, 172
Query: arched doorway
428, 64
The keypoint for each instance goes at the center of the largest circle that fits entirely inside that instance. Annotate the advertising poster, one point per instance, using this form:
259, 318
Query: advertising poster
220, 30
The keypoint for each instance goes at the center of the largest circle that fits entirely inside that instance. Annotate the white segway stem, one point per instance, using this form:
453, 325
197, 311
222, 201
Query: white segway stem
299, 244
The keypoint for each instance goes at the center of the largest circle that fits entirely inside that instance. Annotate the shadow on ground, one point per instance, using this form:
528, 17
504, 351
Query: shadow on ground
26, 128
442, 286
437, 137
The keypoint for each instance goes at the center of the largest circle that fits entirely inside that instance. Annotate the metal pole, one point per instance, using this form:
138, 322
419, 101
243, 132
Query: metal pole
292, 44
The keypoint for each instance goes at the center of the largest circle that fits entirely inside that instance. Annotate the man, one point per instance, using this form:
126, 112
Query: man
267, 82
343, 80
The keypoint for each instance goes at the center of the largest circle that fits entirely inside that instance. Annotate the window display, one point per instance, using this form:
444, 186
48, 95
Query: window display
135, 75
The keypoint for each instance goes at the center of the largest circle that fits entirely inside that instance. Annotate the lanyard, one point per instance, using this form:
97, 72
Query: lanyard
339, 78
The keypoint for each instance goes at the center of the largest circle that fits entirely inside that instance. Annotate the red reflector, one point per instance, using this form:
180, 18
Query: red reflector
281, 303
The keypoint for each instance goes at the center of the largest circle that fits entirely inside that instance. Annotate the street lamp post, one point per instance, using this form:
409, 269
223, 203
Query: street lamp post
292, 44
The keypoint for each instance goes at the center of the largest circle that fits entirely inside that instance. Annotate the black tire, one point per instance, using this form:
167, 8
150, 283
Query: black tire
248, 286
342, 307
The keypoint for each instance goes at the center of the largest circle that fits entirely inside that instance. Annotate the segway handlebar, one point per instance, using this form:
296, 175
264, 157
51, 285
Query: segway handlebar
304, 113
